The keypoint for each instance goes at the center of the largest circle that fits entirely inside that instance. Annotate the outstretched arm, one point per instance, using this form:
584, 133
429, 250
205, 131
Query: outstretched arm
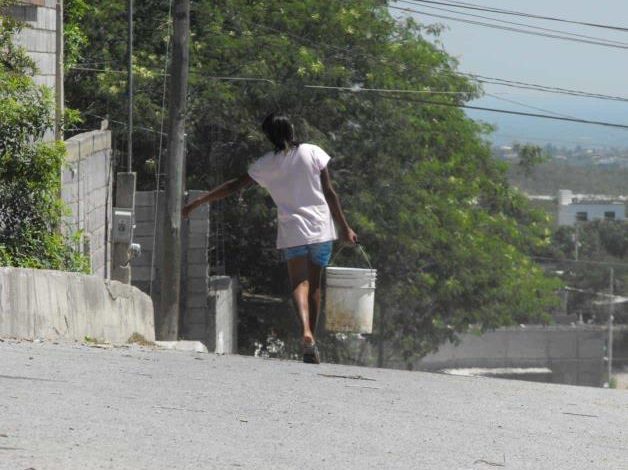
219, 192
333, 201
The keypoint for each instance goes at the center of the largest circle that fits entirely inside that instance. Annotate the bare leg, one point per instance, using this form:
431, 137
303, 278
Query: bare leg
300, 284
314, 297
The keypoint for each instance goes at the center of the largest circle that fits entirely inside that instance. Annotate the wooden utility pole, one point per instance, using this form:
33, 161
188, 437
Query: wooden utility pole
167, 320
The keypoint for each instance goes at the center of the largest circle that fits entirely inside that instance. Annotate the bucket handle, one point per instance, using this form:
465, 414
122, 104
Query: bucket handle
359, 247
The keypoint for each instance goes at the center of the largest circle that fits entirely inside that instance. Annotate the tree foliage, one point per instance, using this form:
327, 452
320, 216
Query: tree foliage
602, 244
30, 205
530, 156
450, 238
550, 176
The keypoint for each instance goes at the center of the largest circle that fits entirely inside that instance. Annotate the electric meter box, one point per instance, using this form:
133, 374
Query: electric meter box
122, 225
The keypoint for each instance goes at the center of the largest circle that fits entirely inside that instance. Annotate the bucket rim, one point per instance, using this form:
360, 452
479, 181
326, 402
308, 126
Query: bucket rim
368, 277
339, 270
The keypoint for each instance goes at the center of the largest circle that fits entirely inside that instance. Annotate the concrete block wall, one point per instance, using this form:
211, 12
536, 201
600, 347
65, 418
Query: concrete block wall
87, 192
38, 35
198, 319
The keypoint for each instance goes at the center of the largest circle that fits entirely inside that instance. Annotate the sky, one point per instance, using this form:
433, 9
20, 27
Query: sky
545, 61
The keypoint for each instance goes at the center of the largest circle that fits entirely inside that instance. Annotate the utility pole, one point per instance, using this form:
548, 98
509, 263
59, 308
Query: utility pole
380, 342
167, 320
123, 212
611, 311
129, 158
59, 90
576, 241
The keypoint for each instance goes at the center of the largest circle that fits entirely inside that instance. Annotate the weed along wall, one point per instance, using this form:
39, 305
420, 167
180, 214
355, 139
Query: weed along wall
54, 304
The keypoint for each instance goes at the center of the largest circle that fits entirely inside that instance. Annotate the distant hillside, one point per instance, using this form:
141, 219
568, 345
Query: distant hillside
549, 177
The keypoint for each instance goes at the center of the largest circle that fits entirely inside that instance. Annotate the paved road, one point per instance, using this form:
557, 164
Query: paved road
77, 407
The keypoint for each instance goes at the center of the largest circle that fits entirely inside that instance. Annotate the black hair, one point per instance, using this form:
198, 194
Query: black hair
279, 130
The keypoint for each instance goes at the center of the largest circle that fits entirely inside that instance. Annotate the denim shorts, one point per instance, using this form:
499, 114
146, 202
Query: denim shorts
317, 253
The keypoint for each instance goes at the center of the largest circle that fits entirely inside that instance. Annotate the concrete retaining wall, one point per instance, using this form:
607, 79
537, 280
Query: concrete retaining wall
575, 355
87, 191
54, 304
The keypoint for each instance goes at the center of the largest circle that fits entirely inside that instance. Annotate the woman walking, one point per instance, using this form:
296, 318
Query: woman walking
297, 178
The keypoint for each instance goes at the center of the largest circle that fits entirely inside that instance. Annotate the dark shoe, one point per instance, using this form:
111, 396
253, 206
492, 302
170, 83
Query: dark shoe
311, 354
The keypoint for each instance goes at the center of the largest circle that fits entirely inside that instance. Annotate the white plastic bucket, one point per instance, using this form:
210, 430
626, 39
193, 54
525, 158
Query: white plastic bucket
349, 299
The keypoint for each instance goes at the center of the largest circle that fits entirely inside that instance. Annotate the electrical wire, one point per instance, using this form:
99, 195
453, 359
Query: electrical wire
519, 103
430, 132
476, 77
160, 152
484, 108
480, 78
540, 28
508, 28
386, 90
121, 123
542, 88
578, 261
471, 6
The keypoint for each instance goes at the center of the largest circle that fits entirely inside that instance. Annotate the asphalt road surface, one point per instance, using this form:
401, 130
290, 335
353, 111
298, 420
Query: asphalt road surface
71, 406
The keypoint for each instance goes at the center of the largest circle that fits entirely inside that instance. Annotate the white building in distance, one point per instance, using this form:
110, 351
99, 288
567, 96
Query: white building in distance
585, 208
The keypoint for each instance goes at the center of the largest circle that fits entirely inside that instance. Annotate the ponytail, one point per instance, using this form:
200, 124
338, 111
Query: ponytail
280, 131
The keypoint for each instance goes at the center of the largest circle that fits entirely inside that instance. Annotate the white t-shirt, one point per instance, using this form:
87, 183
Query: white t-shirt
293, 180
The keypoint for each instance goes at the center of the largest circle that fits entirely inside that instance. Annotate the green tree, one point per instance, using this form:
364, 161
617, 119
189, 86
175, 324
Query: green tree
30, 207
530, 156
450, 238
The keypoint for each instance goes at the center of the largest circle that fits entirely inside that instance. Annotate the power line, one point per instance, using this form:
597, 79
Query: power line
471, 6
384, 90
356, 89
543, 110
543, 116
495, 110
542, 88
478, 78
163, 74
540, 28
160, 152
436, 103
578, 261
508, 28
428, 132
123, 124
